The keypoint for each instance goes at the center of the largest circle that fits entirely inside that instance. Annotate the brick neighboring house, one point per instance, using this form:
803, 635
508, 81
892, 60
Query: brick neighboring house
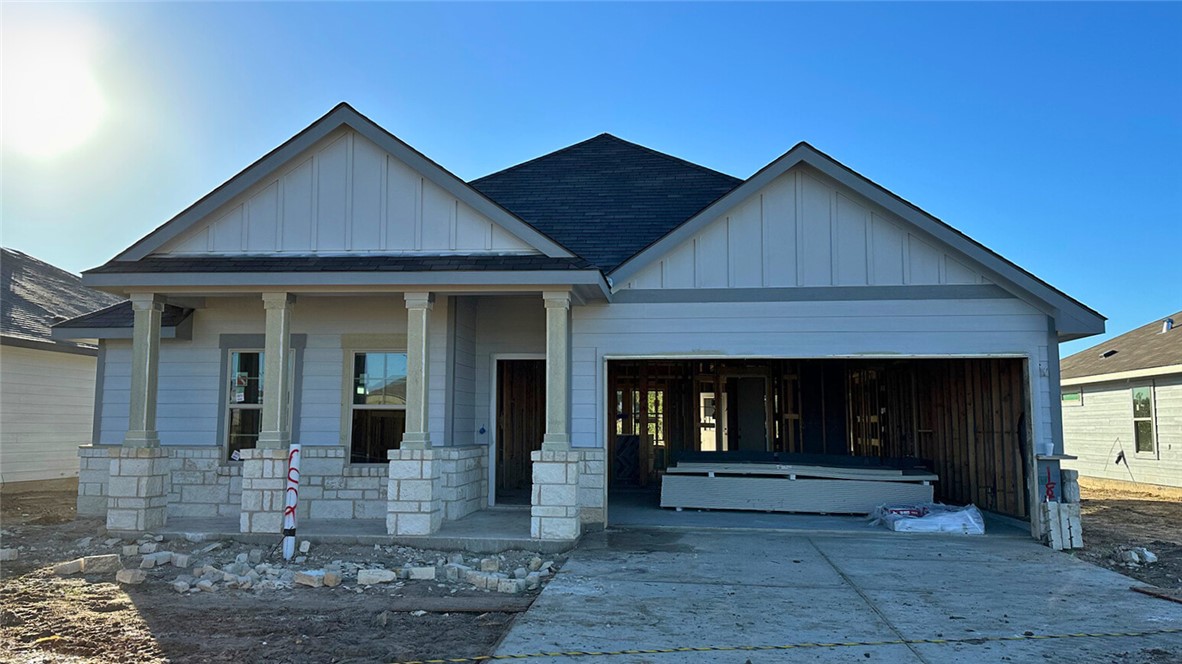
557, 334
46, 384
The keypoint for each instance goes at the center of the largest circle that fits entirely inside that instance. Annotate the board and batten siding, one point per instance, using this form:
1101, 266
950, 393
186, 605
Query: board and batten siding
346, 194
188, 398
821, 329
1102, 426
803, 230
46, 412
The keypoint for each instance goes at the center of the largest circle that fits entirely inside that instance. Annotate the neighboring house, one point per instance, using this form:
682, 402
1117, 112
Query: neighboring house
563, 329
46, 384
1122, 406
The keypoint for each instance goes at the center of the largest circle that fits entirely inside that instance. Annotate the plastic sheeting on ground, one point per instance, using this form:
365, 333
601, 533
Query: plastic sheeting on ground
930, 518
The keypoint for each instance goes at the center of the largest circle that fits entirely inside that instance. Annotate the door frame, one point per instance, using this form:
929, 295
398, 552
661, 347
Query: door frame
492, 431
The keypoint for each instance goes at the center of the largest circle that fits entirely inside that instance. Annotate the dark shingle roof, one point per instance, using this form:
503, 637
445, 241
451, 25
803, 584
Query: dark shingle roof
1143, 348
370, 263
605, 199
121, 315
34, 295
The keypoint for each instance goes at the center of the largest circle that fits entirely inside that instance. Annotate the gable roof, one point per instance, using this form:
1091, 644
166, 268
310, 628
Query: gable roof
34, 295
341, 115
605, 198
1146, 347
1073, 319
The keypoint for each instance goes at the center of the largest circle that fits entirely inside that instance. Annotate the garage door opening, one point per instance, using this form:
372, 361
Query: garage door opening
962, 421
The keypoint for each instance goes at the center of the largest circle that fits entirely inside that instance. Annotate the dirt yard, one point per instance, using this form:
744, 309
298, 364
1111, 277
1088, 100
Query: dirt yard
90, 618
1120, 519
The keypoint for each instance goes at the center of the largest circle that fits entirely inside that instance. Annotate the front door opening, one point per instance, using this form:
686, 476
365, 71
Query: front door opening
521, 424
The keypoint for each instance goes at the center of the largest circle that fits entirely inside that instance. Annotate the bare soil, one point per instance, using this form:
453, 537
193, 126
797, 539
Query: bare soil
1116, 519
90, 618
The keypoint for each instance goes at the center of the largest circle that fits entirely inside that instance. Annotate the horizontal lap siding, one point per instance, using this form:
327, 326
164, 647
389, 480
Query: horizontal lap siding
189, 384
464, 373
46, 410
505, 325
799, 330
1099, 429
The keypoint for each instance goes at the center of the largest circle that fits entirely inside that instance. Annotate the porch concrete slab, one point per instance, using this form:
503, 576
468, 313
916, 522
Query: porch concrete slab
486, 531
670, 589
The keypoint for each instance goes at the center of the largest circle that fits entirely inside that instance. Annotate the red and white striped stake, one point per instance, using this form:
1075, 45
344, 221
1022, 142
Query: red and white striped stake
290, 498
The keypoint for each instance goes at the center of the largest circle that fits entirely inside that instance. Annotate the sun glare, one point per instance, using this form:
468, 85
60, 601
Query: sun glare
52, 102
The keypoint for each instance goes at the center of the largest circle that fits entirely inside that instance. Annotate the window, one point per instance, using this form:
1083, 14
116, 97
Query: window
244, 416
244, 420
1143, 418
378, 405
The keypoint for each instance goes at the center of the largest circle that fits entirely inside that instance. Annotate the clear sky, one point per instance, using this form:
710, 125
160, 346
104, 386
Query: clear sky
1050, 132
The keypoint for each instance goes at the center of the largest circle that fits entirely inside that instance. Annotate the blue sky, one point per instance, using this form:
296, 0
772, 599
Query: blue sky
1050, 132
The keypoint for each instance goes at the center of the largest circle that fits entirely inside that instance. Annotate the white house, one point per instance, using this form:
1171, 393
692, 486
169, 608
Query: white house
1122, 406
564, 329
46, 384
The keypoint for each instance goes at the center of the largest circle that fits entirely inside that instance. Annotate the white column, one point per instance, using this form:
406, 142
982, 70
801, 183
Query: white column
418, 312
557, 437
145, 366
276, 427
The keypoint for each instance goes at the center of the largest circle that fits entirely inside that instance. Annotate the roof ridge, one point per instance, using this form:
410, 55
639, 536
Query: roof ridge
670, 157
537, 158
645, 148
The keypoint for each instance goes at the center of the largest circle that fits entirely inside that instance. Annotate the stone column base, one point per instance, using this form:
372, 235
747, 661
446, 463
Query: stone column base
137, 491
264, 479
554, 514
414, 503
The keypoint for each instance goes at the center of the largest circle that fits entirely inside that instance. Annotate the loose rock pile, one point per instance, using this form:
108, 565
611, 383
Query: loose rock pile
1134, 556
190, 566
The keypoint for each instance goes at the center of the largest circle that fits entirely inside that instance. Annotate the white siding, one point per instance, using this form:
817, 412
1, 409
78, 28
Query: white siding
1102, 426
346, 195
46, 410
188, 399
803, 230
800, 330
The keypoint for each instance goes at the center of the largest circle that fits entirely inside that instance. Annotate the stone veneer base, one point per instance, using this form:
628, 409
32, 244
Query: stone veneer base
137, 488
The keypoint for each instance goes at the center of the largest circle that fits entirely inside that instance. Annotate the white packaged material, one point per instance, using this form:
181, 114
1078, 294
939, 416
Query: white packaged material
930, 518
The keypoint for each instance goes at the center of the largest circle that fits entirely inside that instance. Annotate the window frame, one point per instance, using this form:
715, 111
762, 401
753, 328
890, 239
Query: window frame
229, 406
255, 343
349, 407
1152, 419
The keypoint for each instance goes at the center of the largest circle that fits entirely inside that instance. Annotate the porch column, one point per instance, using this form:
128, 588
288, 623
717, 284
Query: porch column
276, 424
147, 309
557, 436
136, 498
554, 498
418, 311
264, 469
414, 490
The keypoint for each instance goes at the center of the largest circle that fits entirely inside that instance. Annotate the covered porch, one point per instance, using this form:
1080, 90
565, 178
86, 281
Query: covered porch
201, 445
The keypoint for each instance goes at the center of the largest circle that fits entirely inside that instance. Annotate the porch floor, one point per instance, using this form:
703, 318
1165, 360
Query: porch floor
487, 531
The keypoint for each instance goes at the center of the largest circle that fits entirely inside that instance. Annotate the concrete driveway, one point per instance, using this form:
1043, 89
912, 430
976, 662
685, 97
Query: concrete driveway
650, 589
